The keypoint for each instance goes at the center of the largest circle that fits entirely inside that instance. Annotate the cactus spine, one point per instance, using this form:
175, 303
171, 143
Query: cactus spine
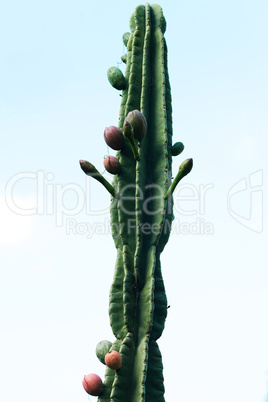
141, 214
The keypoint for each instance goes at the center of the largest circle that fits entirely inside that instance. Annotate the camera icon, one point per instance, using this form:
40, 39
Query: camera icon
252, 187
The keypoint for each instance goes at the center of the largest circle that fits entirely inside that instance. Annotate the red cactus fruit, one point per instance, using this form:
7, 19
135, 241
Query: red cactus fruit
138, 122
114, 137
112, 165
93, 384
113, 360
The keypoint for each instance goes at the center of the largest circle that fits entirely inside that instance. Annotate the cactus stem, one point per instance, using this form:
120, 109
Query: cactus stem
90, 170
129, 134
184, 169
140, 222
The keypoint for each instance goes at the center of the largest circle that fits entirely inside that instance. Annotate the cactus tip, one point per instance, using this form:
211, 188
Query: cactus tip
186, 166
184, 169
87, 167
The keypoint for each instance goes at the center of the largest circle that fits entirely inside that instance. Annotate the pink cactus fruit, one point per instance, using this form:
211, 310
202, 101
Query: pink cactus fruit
113, 360
112, 164
93, 384
114, 137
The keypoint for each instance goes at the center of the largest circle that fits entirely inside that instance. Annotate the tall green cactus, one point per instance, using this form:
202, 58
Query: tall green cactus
141, 212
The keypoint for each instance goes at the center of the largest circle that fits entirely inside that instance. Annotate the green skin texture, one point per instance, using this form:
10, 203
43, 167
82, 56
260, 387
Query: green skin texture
141, 215
138, 303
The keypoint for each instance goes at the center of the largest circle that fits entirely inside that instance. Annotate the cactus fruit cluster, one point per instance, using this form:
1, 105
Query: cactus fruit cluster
141, 211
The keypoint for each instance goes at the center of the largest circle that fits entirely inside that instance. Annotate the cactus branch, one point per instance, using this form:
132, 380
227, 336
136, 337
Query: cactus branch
184, 169
91, 171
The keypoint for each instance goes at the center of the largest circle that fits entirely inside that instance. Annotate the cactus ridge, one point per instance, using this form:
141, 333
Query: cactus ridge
141, 215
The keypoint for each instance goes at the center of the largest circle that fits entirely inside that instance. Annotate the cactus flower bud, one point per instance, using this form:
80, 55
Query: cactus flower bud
184, 169
186, 166
138, 122
127, 129
114, 138
90, 170
112, 165
129, 134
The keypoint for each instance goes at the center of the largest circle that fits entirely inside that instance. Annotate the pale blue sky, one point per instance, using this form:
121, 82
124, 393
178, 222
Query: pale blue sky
57, 263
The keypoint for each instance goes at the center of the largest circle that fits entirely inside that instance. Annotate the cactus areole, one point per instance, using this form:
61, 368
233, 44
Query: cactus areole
141, 212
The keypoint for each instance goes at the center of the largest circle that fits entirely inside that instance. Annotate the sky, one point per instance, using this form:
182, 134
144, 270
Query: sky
57, 253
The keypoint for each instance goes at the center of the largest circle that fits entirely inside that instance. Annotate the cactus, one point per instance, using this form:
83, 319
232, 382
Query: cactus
141, 211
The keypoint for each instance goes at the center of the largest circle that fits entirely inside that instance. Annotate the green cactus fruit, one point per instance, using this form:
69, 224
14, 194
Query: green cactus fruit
138, 122
126, 38
112, 164
116, 78
114, 137
177, 148
124, 58
102, 348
